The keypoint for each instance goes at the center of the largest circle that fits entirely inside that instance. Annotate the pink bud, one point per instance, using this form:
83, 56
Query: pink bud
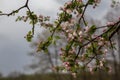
110, 23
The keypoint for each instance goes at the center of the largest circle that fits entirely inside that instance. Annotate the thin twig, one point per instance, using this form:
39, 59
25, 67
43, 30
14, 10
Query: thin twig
17, 10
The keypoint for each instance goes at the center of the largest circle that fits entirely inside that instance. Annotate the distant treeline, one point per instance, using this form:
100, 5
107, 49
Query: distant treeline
56, 76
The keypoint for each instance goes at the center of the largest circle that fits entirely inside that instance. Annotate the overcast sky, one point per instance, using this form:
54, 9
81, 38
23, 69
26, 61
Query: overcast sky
13, 47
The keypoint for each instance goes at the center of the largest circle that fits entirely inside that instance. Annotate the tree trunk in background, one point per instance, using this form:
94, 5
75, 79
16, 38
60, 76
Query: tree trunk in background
118, 36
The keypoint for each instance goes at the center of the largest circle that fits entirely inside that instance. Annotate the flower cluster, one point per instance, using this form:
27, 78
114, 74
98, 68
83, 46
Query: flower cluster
84, 45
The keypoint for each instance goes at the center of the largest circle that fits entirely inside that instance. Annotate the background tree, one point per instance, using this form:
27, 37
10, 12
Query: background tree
114, 57
1, 75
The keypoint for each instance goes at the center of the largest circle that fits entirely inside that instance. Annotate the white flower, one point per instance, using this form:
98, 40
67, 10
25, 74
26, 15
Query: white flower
74, 33
101, 64
105, 51
70, 35
80, 33
64, 71
87, 29
67, 31
69, 11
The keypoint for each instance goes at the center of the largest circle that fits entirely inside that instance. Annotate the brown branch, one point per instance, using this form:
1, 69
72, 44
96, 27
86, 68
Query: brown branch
83, 11
90, 60
33, 24
115, 31
17, 10
50, 60
56, 28
85, 23
26, 4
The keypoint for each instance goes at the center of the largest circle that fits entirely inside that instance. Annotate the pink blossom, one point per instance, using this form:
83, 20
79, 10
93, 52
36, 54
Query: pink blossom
60, 53
66, 64
97, 1
40, 16
69, 3
68, 67
91, 70
62, 8
81, 39
70, 36
105, 51
110, 69
87, 28
100, 43
110, 23
79, 1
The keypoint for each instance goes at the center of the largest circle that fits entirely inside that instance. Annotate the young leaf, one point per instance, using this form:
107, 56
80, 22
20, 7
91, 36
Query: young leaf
91, 2
92, 29
29, 36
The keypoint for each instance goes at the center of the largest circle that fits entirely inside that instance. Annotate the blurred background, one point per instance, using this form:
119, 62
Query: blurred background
15, 52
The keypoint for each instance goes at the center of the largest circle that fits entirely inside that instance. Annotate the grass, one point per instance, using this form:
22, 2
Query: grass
53, 76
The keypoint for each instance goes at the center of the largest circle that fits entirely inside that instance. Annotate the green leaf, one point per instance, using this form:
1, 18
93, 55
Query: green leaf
16, 11
29, 36
54, 41
97, 62
46, 50
92, 29
86, 55
80, 10
0, 11
69, 45
105, 36
91, 2
57, 37
95, 69
19, 18
47, 43
107, 69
